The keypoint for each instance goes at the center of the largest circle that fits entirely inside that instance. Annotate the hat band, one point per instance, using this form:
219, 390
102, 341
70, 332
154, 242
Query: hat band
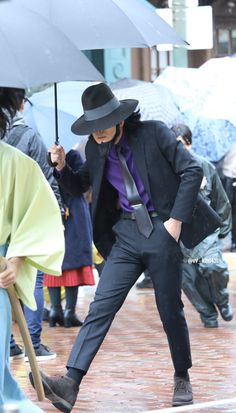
101, 111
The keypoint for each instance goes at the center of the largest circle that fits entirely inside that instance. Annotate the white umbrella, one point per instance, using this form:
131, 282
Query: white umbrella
219, 89
155, 101
206, 97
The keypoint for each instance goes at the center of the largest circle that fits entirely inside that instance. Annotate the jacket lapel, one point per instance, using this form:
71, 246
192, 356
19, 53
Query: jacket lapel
97, 181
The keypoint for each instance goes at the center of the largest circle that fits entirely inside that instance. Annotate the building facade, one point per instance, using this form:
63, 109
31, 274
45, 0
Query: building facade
146, 64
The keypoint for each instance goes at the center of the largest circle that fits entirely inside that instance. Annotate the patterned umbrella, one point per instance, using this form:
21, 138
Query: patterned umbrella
207, 99
155, 101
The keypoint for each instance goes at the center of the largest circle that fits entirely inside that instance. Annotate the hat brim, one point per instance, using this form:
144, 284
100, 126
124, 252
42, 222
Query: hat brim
84, 127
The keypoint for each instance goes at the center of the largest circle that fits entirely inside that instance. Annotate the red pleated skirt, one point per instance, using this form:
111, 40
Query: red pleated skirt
70, 278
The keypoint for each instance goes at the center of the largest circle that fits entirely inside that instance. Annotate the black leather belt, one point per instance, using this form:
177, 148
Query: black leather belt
131, 215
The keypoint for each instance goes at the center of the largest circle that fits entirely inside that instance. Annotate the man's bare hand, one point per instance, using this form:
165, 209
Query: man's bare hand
173, 226
8, 276
58, 155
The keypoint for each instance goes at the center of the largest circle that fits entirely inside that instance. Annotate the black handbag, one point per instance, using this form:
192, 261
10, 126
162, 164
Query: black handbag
204, 222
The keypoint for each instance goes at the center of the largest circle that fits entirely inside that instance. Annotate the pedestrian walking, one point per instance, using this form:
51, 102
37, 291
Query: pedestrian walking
77, 263
205, 272
229, 182
145, 188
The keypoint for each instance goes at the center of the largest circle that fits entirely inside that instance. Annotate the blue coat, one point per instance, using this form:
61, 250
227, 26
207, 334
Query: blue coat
78, 226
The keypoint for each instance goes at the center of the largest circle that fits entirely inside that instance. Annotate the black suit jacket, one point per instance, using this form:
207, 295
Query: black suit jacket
171, 177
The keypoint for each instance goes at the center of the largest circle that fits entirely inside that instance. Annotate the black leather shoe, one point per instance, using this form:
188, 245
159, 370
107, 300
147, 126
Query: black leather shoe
210, 323
226, 312
45, 314
233, 247
61, 391
71, 319
182, 392
145, 283
55, 317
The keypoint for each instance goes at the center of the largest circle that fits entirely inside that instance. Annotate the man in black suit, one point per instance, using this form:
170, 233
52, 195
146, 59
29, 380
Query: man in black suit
167, 179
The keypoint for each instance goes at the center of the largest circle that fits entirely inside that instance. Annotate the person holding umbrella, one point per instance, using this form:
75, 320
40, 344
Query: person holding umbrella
31, 238
145, 198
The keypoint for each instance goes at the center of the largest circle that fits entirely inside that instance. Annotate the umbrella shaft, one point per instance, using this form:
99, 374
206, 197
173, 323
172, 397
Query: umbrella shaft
56, 115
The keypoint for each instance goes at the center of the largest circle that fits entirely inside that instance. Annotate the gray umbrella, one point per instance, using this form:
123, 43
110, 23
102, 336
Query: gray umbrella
104, 24
34, 52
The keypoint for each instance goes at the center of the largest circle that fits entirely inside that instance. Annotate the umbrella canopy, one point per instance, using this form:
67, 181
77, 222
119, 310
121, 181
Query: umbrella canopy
206, 97
107, 23
219, 89
34, 52
39, 113
155, 101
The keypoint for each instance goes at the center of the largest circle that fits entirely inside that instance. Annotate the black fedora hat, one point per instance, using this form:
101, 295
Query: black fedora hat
102, 110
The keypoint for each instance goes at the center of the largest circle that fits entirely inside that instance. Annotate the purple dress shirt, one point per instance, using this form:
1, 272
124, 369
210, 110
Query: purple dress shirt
114, 175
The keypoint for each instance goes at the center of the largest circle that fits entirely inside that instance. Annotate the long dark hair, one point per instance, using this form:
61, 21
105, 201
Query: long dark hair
132, 122
9, 104
184, 131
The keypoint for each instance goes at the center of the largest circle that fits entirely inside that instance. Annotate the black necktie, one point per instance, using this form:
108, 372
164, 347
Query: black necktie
142, 217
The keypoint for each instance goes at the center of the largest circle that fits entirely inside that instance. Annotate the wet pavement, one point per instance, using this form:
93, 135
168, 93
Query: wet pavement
133, 372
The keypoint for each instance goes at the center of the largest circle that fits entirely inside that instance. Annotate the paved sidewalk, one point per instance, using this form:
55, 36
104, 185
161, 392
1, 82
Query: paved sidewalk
132, 372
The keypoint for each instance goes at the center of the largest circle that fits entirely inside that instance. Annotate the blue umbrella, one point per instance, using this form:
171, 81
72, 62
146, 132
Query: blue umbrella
39, 112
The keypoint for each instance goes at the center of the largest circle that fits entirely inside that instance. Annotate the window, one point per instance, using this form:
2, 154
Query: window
233, 41
226, 41
223, 42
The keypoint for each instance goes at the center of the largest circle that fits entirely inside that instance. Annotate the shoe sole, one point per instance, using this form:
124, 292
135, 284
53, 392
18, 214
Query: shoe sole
19, 356
59, 403
175, 404
42, 358
229, 318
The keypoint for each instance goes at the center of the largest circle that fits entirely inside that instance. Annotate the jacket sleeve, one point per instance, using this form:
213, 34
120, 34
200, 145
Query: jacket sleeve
38, 152
188, 170
220, 203
73, 182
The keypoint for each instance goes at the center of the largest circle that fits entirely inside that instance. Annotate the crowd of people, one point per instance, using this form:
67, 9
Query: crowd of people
137, 224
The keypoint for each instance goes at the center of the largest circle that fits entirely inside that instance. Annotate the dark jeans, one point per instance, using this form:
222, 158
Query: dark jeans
130, 255
34, 318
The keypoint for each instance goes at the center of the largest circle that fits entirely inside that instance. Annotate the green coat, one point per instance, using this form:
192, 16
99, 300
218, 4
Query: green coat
30, 220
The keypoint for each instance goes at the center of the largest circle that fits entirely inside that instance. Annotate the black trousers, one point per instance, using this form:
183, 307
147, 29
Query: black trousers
130, 255
231, 193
